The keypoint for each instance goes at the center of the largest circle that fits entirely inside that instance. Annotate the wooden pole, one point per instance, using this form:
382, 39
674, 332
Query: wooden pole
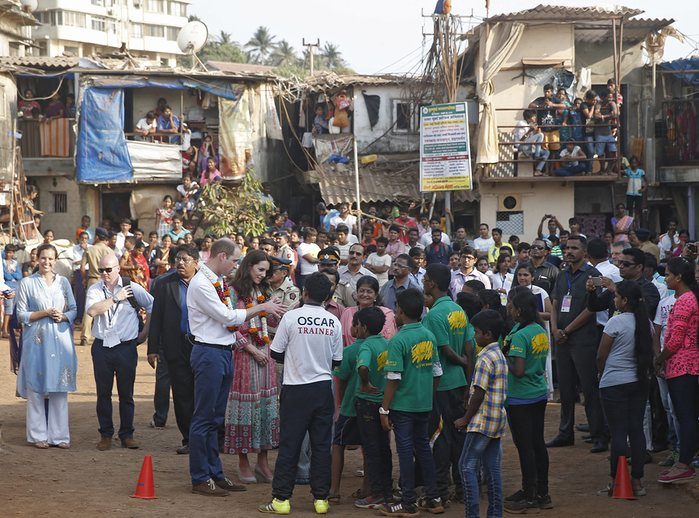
356, 188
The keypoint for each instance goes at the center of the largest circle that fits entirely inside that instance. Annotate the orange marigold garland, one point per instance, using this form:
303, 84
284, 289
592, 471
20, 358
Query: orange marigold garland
258, 325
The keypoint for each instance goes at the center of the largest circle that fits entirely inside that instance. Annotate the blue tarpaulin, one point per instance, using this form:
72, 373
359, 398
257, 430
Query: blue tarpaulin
102, 155
681, 66
219, 87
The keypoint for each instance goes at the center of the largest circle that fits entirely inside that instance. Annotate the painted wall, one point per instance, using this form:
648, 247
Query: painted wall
536, 200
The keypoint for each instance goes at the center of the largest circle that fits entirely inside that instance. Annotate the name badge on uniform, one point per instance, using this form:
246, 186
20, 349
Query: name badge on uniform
566, 303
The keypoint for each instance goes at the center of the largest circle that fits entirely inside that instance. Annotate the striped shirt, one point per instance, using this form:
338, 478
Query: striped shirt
490, 374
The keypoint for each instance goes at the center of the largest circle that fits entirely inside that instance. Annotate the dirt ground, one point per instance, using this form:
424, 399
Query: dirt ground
85, 482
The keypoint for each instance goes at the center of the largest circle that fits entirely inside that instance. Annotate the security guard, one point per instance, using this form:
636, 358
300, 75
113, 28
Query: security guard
282, 287
329, 258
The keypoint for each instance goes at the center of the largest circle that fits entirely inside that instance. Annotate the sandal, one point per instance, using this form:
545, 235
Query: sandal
334, 499
538, 173
42, 445
358, 494
63, 445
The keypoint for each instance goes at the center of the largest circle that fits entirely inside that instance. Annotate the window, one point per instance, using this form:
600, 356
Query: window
43, 48
404, 116
71, 50
172, 33
70, 19
510, 222
155, 6
154, 31
99, 24
137, 30
60, 202
177, 9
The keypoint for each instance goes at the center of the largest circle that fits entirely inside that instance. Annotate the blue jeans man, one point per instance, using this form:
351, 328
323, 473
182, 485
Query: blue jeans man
481, 449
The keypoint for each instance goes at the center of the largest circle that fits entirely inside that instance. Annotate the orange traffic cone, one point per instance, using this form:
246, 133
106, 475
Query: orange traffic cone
144, 487
622, 482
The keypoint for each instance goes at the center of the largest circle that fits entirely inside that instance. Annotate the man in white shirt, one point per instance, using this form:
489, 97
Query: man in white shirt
114, 309
124, 232
598, 257
466, 272
669, 240
426, 239
379, 262
528, 133
309, 343
308, 255
344, 218
212, 324
571, 156
484, 241
351, 273
343, 242
146, 126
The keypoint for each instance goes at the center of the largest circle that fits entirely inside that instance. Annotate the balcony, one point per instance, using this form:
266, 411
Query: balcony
47, 146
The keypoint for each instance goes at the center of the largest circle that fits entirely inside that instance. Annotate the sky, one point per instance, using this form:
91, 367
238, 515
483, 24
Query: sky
381, 36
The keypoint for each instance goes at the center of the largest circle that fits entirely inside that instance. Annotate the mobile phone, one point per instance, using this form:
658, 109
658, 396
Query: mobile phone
597, 281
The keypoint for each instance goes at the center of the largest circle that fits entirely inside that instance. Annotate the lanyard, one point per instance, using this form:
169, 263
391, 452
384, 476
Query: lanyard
571, 278
111, 312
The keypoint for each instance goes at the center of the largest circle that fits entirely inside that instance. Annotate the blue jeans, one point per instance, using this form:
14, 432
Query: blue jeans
213, 374
590, 147
479, 447
672, 424
410, 430
605, 141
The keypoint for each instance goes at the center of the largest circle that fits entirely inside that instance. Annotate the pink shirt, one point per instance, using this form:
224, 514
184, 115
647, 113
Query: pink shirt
389, 328
203, 180
681, 337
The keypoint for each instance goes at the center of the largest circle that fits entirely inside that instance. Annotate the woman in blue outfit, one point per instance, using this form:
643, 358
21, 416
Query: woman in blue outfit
46, 309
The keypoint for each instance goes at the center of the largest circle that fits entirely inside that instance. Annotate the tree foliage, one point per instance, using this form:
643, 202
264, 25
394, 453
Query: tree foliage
235, 210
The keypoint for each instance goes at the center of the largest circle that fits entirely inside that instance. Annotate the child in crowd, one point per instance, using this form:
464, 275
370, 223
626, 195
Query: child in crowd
188, 191
635, 187
13, 274
163, 217
485, 418
412, 374
371, 360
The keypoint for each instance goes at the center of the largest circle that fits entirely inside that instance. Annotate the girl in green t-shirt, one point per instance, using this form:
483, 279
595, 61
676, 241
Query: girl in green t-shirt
526, 348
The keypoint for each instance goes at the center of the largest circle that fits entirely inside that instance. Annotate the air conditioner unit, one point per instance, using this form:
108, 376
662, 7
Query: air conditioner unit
110, 12
137, 5
509, 203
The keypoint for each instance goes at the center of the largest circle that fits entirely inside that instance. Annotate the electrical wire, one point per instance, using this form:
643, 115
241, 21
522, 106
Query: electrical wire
399, 60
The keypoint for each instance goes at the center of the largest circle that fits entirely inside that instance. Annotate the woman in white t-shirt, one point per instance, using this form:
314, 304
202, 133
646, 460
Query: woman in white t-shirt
501, 280
308, 255
524, 276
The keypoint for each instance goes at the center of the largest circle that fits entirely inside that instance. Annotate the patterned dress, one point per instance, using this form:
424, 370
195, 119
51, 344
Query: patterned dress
165, 223
252, 414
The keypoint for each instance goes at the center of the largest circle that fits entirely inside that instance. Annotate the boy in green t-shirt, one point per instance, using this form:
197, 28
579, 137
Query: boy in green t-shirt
447, 321
346, 430
412, 374
372, 382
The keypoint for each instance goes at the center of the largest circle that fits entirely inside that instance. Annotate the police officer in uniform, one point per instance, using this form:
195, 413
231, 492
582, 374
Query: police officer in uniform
282, 287
329, 258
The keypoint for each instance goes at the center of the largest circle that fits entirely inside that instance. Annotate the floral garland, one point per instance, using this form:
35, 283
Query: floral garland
258, 325
224, 293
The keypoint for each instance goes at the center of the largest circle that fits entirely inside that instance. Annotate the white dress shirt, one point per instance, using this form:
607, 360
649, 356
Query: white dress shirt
459, 278
208, 316
120, 322
121, 240
426, 239
607, 269
483, 245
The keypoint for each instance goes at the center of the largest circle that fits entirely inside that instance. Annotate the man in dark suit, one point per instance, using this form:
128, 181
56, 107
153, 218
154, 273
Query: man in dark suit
167, 339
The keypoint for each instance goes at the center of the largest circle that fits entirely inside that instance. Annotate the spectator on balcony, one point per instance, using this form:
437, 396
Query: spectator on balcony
211, 173
529, 138
587, 111
168, 122
55, 108
71, 109
573, 160
160, 107
190, 158
563, 114
146, 126
28, 106
577, 122
605, 116
188, 192
635, 187
207, 151
546, 107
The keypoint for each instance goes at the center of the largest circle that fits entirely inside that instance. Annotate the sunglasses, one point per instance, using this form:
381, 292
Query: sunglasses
105, 270
627, 264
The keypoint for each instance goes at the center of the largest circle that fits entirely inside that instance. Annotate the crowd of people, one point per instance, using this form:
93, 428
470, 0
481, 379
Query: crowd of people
314, 339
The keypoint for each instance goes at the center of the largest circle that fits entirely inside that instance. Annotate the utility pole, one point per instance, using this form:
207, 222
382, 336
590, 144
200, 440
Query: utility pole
311, 46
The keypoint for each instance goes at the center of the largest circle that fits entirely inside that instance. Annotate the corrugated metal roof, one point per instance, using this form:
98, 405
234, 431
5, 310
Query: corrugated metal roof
45, 62
561, 13
375, 183
634, 30
242, 69
330, 80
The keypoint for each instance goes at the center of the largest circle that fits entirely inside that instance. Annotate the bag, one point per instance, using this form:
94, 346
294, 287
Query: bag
134, 304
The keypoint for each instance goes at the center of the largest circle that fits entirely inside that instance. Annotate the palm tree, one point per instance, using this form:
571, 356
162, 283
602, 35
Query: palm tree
332, 56
224, 38
261, 44
283, 54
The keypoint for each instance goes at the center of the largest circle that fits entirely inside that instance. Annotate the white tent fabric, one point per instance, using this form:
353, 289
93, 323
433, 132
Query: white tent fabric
501, 40
153, 161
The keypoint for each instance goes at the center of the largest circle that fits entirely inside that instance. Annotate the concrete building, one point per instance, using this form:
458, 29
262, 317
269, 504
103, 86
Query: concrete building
15, 28
148, 28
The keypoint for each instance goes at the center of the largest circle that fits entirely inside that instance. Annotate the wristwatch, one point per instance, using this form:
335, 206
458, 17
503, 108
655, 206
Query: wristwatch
382, 411
115, 299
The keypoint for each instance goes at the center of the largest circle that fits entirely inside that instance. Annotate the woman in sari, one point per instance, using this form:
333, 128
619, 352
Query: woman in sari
252, 414
210, 174
161, 261
622, 224
46, 309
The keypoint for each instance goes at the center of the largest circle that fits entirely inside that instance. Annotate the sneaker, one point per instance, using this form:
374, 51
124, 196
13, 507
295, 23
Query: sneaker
515, 497
430, 505
208, 488
369, 502
676, 477
544, 502
321, 506
399, 509
275, 507
521, 506
225, 483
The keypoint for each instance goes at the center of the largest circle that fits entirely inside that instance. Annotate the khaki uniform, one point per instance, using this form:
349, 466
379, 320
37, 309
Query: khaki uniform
344, 294
289, 295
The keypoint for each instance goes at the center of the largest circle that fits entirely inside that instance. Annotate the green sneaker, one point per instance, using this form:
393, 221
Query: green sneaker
670, 460
276, 507
321, 506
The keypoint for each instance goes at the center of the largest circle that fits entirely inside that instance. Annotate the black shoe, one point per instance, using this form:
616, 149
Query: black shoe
649, 458
183, 450
559, 442
430, 505
582, 427
521, 506
599, 447
399, 509
519, 495
544, 502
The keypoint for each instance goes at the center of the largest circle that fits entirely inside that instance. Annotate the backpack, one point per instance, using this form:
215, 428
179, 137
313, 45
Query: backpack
134, 304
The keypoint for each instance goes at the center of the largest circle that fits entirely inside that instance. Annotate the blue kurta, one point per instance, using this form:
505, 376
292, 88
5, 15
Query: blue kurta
49, 362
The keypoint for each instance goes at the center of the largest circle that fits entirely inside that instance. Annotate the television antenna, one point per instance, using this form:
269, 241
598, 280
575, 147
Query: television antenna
191, 39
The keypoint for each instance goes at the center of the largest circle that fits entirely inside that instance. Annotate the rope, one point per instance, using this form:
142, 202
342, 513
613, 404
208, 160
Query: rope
60, 83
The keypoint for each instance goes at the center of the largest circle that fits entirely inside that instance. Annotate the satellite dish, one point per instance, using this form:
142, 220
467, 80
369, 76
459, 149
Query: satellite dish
29, 5
192, 37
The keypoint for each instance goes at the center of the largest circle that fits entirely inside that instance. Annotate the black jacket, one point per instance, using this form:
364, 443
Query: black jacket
605, 301
165, 336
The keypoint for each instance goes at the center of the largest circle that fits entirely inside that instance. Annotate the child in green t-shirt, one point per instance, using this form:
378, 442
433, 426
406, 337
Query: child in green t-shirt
412, 374
346, 430
372, 381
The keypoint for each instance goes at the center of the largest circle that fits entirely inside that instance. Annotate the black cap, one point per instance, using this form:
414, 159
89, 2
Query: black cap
277, 263
329, 255
102, 233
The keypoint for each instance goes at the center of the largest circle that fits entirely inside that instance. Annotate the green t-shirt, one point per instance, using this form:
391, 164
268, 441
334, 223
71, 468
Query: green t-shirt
532, 344
347, 371
447, 321
412, 352
372, 355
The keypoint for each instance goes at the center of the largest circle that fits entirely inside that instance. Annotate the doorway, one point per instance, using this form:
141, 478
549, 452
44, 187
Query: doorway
115, 207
